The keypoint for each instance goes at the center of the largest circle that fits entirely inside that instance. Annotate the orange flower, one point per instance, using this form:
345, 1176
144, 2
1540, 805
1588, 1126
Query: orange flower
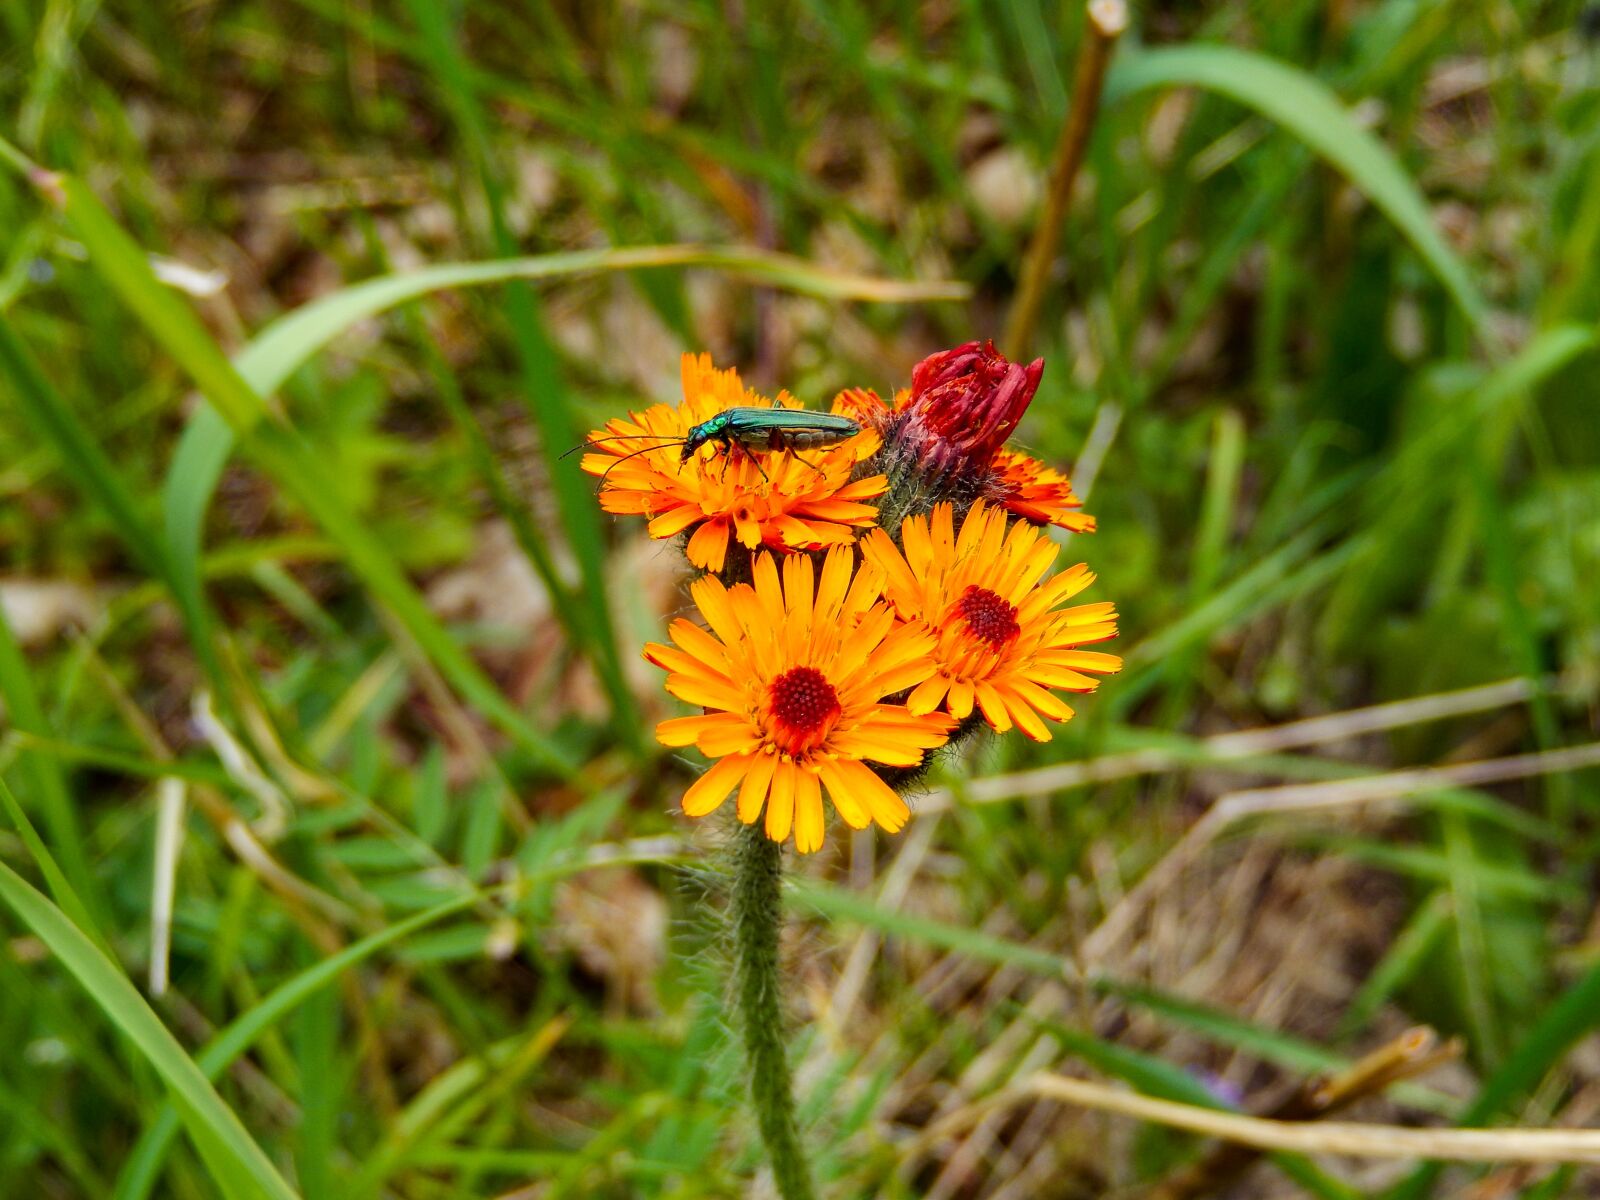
771, 498
1001, 639
1030, 489
793, 677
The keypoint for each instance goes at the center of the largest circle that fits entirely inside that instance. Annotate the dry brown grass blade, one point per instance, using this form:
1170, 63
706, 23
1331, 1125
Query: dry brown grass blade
1246, 743
1321, 797
1297, 1137
1412, 1053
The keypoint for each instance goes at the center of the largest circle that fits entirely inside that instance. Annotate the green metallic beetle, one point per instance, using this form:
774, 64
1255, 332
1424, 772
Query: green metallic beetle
750, 430
754, 429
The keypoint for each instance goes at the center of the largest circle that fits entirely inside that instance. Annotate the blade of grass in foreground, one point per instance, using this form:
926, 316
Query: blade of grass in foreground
1306, 107
46, 782
237, 1163
65, 896
91, 470
284, 455
143, 1166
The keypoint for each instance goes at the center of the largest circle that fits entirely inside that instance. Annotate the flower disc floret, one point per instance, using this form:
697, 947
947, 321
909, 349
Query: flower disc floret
771, 498
1001, 640
988, 617
793, 670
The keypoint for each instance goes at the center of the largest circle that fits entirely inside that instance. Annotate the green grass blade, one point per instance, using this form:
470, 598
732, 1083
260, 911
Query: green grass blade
86, 464
1407, 953
169, 319
1307, 108
291, 462
242, 1169
289, 342
837, 902
61, 889
46, 784
94, 474
143, 1166
191, 481
511, 508
544, 390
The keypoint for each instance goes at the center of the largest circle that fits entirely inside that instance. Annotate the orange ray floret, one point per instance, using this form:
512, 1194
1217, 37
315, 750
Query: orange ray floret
1001, 640
792, 674
770, 498
1032, 490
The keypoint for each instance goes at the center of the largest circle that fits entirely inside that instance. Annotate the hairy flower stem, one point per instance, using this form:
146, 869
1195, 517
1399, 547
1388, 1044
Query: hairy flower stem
757, 918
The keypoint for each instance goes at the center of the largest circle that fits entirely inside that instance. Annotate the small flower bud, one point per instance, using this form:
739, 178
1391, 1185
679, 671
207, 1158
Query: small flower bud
964, 403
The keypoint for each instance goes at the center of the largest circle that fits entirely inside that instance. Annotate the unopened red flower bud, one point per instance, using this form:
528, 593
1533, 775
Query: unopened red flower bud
964, 403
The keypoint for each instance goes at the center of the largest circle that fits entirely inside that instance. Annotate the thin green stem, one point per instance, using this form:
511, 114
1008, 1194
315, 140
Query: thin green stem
757, 918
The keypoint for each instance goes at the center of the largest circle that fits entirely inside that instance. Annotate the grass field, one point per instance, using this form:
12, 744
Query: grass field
327, 748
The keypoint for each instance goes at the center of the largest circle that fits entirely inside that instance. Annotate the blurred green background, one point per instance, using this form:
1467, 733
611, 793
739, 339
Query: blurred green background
339, 746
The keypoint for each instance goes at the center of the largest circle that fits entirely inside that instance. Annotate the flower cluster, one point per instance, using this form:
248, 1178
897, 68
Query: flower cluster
874, 588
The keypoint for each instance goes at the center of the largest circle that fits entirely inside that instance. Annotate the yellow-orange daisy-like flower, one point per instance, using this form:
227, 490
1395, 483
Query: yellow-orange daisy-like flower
793, 674
1032, 490
766, 497
1001, 639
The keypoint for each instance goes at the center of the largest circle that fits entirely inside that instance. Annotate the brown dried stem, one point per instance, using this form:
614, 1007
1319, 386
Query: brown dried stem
1105, 22
1412, 1053
1355, 1140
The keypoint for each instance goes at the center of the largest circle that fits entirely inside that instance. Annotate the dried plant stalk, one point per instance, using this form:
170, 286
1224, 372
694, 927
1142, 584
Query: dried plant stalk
1412, 1053
1104, 24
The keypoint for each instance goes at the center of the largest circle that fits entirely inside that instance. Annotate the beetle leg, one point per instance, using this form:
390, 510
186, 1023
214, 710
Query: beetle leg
807, 461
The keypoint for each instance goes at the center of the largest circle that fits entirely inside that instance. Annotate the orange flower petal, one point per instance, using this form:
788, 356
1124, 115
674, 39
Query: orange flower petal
928, 694
1026, 719
708, 548
670, 658
994, 708
753, 792
1089, 660
747, 529
960, 699
844, 800
780, 800
1040, 700
699, 644
673, 522
708, 792
807, 812
687, 731
872, 793
694, 690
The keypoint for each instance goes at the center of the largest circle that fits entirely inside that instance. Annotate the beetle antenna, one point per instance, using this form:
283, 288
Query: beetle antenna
635, 454
664, 438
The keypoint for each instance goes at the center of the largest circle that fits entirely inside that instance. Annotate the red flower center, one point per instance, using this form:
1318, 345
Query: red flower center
989, 617
804, 706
